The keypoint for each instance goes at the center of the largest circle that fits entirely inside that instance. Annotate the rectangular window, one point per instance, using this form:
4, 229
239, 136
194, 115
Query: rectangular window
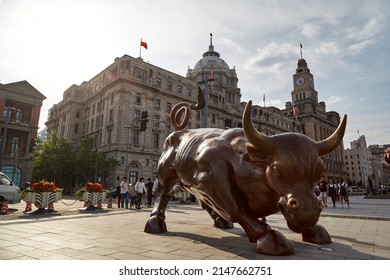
213, 119
109, 136
76, 128
135, 137
179, 89
158, 82
169, 85
157, 120
169, 107
156, 138
189, 92
157, 104
137, 114
138, 98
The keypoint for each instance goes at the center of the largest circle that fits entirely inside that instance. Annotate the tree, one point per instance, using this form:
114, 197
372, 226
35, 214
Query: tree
53, 161
57, 160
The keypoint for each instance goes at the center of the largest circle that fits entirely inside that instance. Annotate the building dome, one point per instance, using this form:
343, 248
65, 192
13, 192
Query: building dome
211, 60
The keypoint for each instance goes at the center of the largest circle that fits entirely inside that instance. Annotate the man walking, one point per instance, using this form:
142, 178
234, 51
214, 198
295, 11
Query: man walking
140, 189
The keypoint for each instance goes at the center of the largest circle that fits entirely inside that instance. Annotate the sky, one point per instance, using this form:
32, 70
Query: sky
346, 44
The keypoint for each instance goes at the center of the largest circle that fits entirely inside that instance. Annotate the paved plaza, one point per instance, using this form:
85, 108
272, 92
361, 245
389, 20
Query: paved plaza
359, 233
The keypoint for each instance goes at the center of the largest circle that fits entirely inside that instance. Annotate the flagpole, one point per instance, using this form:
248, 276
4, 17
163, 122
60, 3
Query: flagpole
140, 45
300, 44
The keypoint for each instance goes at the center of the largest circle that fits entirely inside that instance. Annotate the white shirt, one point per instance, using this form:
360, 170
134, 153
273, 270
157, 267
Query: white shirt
140, 187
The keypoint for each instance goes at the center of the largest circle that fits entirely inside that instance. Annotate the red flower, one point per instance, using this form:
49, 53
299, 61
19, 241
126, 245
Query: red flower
44, 186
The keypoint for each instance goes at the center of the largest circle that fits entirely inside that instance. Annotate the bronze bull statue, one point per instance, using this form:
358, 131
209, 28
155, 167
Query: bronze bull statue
242, 176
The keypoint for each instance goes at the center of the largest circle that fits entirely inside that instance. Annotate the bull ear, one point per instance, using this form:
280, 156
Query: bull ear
255, 155
329, 144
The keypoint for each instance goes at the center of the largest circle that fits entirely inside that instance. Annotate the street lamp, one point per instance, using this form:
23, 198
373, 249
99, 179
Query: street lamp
206, 97
127, 149
4, 139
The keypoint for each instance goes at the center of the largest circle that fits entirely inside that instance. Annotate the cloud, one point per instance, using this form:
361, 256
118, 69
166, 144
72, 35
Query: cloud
334, 99
359, 47
310, 30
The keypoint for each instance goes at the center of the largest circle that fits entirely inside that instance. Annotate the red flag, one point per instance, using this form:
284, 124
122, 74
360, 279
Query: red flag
144, 44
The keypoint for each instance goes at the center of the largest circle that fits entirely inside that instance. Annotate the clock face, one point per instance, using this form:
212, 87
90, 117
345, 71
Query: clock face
300, 81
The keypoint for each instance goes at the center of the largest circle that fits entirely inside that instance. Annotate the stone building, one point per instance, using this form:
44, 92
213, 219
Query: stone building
358, 163
111, 105
20, 105
381, 170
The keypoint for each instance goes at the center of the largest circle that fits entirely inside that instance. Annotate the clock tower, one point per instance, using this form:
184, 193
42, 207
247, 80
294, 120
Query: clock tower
312, 119
304, 91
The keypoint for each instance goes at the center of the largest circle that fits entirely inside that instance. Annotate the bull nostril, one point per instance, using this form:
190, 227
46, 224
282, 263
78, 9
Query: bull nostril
293, 203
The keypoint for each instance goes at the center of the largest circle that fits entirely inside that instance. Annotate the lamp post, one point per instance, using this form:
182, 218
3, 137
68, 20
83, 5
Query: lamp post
205, 81
127, 150
4, 139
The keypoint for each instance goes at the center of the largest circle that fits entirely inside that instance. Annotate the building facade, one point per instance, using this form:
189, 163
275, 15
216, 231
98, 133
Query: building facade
381, 170
112, 104
20, 105
358, 163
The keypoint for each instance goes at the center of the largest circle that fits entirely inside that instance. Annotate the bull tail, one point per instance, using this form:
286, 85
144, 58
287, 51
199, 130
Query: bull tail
179, 121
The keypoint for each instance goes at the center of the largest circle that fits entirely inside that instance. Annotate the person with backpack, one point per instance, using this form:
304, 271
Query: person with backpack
343, 191
332, 187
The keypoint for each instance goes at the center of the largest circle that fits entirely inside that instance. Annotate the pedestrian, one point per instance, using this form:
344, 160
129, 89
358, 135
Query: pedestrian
323, 187
118, 196
155, 186
343, 193
332, 191
140, 189
124, 192
149, 189
133, 195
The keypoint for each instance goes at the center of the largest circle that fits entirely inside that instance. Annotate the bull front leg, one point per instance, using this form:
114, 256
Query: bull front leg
268, 241
317, 235
156, 222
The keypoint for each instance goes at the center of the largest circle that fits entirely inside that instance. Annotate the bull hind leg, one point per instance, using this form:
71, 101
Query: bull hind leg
219, 222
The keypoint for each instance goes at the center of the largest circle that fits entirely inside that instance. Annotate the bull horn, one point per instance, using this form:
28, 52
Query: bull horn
329, 144
257, 139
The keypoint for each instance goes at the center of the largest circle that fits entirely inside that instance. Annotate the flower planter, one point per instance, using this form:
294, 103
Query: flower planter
42, 199
93, 198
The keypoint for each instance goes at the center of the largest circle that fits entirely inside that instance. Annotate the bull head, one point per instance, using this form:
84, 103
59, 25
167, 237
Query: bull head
281, 153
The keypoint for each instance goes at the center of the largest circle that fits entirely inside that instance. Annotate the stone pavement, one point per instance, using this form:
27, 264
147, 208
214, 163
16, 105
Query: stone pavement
361, 232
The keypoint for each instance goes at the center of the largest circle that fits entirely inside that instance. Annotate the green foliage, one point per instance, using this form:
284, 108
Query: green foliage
57, 160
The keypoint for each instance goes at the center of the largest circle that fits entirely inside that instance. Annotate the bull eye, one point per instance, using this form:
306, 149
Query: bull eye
276, 171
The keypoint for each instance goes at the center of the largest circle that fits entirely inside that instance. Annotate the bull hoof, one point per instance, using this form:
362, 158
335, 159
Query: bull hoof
274, 243
155, 224
317, 235
222, 223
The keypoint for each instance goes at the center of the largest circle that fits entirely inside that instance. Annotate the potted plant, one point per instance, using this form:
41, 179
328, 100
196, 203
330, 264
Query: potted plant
42, 194
91, 193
